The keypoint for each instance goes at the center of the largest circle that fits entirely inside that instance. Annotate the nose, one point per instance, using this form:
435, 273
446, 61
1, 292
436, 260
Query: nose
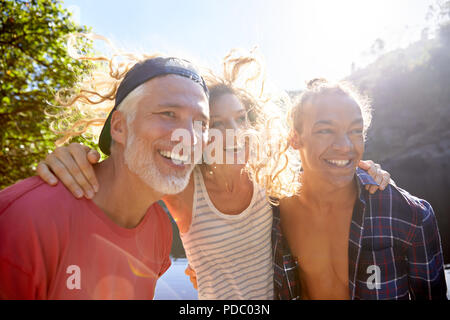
232, 130
342, 143
232, 124
194, 129
187, 134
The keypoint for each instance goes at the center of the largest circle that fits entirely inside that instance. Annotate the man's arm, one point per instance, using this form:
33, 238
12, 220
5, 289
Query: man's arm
425, 260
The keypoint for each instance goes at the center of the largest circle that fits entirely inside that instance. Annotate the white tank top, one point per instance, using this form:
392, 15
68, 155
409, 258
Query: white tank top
231, 254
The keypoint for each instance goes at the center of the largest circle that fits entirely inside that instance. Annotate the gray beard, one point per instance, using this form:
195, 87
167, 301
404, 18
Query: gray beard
139, 160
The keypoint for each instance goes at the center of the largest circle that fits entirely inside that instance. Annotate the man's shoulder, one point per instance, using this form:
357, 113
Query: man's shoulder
400, 204
14, 192
32, 198
160, 211
34, 222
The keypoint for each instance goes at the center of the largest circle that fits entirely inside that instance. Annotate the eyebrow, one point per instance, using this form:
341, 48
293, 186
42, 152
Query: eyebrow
329, 122
177, 106
169, 105
241, 111
357, 121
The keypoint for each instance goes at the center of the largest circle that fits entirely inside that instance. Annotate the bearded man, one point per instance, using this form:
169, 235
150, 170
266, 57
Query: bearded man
117, 244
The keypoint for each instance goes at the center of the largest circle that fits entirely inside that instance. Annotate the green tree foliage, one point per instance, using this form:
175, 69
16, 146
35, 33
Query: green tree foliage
33, 64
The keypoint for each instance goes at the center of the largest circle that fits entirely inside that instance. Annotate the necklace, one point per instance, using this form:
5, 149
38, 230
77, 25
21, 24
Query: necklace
227, 186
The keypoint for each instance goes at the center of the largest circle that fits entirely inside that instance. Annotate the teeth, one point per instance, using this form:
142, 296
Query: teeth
339, 163
176, 158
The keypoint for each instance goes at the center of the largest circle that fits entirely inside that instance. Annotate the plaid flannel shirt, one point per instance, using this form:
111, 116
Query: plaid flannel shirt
390, 229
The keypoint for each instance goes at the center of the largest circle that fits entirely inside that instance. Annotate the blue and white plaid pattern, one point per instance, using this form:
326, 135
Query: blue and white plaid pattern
391, 230
285, 273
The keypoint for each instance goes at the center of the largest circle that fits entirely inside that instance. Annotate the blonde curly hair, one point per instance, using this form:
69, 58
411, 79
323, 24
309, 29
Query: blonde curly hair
83, 109
244, 76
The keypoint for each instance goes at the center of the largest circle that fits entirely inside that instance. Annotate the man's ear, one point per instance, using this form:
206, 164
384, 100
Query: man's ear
295, 139
119, 127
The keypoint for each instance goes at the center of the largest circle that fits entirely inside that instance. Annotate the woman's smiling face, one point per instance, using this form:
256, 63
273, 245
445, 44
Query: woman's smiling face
331, 139
227, 114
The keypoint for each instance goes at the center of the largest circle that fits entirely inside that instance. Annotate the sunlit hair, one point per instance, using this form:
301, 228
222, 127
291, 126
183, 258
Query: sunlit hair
244, 76
319, 88
83, 109
278, 169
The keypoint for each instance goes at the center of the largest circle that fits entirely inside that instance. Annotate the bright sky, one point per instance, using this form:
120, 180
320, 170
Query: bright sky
299, 39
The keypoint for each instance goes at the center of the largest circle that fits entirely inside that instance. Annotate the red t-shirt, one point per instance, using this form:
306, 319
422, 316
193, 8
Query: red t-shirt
53, 246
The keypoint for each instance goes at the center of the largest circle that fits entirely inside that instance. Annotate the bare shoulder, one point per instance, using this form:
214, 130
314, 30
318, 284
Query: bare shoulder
290, 208
289, 203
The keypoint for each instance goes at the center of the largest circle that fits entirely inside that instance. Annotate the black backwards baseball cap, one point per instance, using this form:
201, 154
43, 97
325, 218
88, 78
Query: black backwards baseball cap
142, 72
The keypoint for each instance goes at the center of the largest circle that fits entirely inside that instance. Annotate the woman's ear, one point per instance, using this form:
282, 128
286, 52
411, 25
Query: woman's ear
119, 128
295, 140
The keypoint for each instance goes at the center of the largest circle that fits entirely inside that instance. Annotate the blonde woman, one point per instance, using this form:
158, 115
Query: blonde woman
224, 218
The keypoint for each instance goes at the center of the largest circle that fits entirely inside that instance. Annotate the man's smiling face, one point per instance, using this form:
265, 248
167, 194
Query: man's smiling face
166, 103
329, 136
